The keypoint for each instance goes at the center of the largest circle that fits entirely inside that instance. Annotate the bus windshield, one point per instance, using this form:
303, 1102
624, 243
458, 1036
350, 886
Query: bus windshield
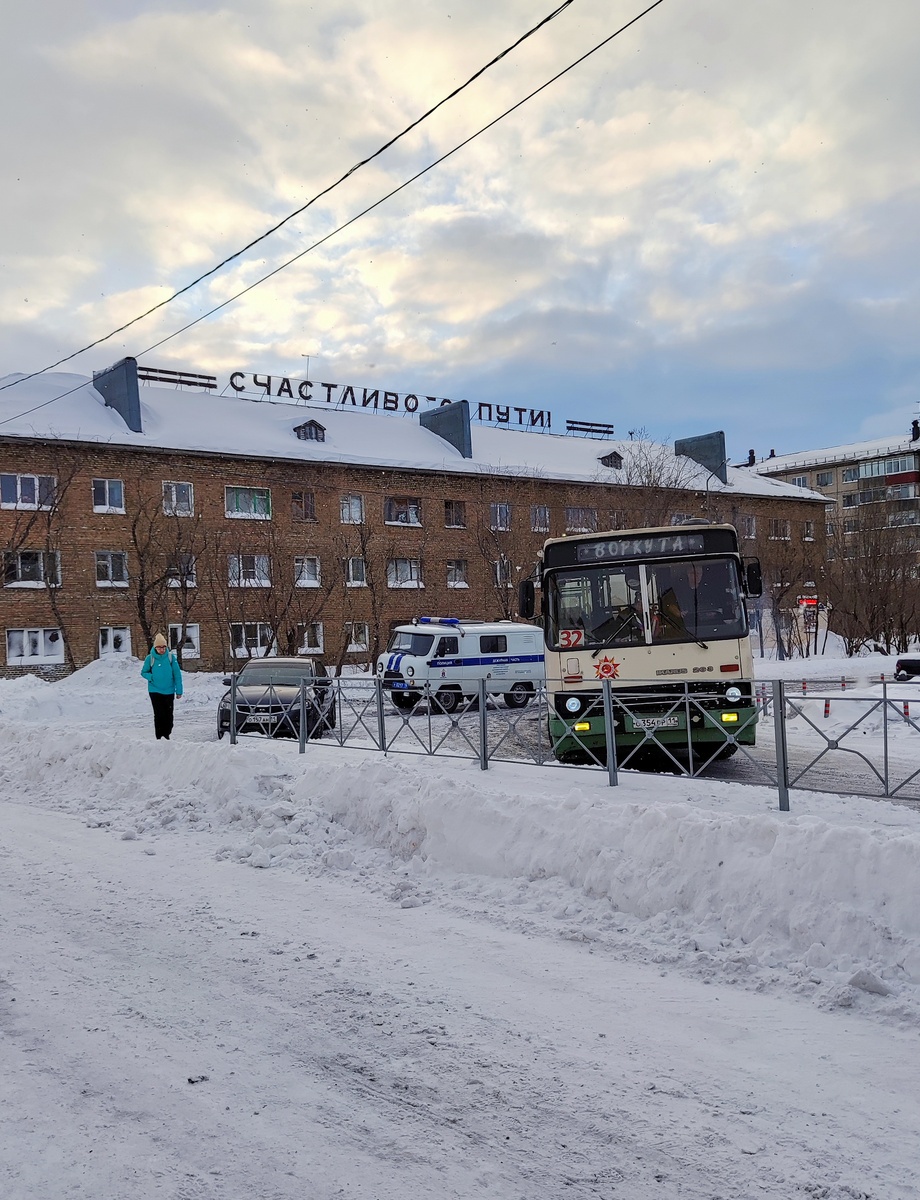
624, 604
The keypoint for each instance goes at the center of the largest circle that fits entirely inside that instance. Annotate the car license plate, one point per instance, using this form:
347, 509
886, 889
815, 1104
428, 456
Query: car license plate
261, 718
400, 683
672, 722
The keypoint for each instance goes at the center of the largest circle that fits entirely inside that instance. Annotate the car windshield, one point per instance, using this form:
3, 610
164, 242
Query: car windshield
411, 643
284, 676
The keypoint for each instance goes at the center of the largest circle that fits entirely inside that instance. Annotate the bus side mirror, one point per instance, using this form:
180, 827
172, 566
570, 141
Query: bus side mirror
526, 599
753, 577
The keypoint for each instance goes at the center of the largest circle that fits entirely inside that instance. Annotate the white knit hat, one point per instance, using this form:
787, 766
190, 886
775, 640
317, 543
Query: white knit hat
159, 640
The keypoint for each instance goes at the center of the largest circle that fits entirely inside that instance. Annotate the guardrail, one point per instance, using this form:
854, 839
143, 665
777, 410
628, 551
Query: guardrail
837, 742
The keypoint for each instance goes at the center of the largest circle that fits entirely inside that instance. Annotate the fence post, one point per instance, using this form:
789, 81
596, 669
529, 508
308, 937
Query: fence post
381, 720
233, 709
885, 731
302, 701
779, 734
483, 728
611, 735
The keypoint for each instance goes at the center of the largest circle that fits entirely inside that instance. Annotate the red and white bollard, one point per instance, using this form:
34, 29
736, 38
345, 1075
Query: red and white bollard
827, 708
906, 710
804, 687
843, 683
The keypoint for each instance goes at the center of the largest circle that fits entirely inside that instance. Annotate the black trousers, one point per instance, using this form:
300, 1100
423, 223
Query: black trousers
162, 714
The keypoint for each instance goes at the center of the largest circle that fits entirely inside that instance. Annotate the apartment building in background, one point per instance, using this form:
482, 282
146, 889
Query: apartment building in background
244, 527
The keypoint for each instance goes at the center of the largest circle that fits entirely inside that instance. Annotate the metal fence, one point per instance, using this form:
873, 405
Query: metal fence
842, 742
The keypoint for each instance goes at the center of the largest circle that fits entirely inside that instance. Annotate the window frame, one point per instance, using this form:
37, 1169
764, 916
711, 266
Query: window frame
500, 516
107, 559
113, 631
463, 581
535, 525
108, 506
261, 574
170, 507
453, 509
351, 581
395, 506
182, 574
173, 633
240, 489
50, 578
415, 578
574, 524
243, 651
39, 505
353, 647
299, 581
26, 660
303, 511
348, 503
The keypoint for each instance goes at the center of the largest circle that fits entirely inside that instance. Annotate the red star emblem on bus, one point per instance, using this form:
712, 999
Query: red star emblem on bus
606, 668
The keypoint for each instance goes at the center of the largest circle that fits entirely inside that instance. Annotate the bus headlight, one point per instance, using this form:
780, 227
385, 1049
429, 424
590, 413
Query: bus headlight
410, 671
573, 705
733, 695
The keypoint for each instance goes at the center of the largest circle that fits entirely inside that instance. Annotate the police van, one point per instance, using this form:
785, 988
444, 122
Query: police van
451, 656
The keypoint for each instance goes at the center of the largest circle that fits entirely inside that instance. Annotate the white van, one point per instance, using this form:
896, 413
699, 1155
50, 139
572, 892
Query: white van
452, 656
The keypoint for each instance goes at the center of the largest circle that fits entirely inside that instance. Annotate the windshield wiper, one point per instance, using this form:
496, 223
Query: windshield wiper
608, 641
682, 629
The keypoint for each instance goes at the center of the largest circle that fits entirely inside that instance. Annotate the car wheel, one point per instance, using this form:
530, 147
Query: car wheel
519, 696
447, 700
405, 701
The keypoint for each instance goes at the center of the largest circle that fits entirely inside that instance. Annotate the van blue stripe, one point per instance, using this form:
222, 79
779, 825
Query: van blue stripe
486, 662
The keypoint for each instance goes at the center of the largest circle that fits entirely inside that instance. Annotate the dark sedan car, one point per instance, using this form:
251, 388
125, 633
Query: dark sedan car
907, 668
268, 698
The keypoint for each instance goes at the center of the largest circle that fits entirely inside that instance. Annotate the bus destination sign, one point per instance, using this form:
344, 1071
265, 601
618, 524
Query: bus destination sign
655, 546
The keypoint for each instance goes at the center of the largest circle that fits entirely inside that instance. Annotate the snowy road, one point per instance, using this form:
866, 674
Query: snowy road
346, 1046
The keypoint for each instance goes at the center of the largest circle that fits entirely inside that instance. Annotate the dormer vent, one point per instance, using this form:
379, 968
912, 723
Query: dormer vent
613, 459
310, 431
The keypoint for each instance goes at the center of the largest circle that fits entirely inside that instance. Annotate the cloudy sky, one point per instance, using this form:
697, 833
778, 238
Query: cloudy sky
711, 223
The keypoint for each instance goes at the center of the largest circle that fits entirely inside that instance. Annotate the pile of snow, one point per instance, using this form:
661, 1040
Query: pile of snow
705, 875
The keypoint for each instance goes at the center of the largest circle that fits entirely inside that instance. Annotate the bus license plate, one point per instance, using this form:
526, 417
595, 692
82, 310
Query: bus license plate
399, 683
672, 722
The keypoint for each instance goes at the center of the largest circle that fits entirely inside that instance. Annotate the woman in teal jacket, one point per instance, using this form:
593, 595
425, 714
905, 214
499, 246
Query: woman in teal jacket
164, 683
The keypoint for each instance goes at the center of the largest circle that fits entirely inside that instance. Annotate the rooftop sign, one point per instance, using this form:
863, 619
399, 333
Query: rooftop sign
278, 387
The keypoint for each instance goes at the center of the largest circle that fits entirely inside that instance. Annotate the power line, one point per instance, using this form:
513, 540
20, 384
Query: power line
296, 213
217, 308
405, 184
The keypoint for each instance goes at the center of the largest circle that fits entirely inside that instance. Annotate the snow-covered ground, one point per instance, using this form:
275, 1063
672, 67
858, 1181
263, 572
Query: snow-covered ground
517, 983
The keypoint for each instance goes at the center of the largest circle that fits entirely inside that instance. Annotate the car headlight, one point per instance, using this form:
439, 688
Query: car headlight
573, 704
410, 671
733, 695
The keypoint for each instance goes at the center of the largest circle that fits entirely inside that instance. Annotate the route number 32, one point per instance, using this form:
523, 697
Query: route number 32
570, 639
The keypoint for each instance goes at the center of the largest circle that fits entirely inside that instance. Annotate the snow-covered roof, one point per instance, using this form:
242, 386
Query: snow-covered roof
66, 407
852, 452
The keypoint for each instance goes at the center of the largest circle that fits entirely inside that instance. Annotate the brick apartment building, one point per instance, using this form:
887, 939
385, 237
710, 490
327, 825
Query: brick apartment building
244, 528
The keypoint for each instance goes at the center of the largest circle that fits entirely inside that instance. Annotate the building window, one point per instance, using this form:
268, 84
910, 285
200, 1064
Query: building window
355, 572
27, 491
178, 499
850, 474
251, 639
111, 568
851, 526
850, 500
250, 503
352, 509
809, 531
114, 639
31, 569
250, 570
500, 516
456, 573
580, 520
799, 481
824, 478
455, 514
779, 529
180, 571
303, 506
108, 496
191, 643
539, 518
404, 573
402, 510
311, 431
503, 572
33, 647
306, 572
311, 638
613, 460
357, 637
749, 527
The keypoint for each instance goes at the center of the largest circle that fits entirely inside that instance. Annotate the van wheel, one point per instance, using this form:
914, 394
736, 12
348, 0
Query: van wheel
519, 696
405, 701
447, 700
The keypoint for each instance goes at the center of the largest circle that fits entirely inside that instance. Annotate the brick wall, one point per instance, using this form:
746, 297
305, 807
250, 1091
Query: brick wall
80, 607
